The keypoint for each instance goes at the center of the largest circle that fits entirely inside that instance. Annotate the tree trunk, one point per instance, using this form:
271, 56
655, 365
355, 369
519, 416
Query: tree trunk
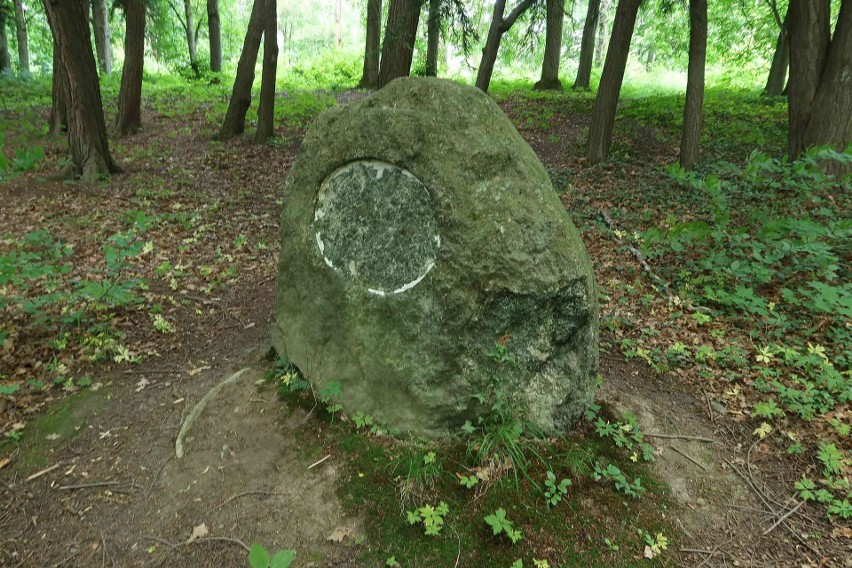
58, 123
692, 115
87, 135
23, 43
552, 47
603, 115
400, 33
190, 34
499, 26
214, 26
266, 110
235, 119
129, 119
103, 45
820, 97
600, 48
5, 60
777, 78
810, 40
370, 75
432, 37
587, 46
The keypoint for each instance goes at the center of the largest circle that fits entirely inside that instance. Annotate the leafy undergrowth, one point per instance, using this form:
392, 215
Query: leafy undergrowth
494, 495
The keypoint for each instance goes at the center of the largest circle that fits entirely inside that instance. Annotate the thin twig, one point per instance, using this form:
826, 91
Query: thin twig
222, 539
679, 437
89, 485
241, 495
690, 458
316, 463
709, 407
783, 518
46, 470
156, 477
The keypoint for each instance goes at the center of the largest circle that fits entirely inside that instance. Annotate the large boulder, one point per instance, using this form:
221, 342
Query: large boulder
419, 232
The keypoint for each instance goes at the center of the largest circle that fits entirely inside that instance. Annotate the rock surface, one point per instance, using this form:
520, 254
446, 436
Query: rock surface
419, 231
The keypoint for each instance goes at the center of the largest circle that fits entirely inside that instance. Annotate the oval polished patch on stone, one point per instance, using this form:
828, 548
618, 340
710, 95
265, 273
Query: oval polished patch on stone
375, 224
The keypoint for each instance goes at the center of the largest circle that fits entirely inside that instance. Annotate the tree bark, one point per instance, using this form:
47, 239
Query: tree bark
499, 26
552, 47
190, 34
692, 114
587, 46
129, 118
5, 60
820, 97
600, 49
266, 110
370, 75
777, 78
400, 33
235, 119
23, 43
432, 37
58, 122
603, 115
214, 26
103, 38
90, 157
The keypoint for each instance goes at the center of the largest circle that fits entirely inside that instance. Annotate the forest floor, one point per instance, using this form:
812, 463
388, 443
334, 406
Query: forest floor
91, 411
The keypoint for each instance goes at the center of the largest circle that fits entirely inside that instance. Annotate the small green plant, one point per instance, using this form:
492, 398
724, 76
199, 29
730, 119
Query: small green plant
392, 563
622, 483
554, 491
655, 545
258, 557
162, 325
468, 481
611, 545
328, 396
501, 525
432, 518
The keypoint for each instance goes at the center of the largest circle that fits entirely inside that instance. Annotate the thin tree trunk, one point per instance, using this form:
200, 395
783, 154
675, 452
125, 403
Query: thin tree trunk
235, 119
810, 39
830, 120
103, 45
266, 110
432, 37
499, 26
587, 46
777, 78
214, 26
5, 60
603, 115
338, 23
370, 75
58, 123
400, 33
190, 34
692, 114
600, 48
129, 118
87, 137
23, 43
552, 47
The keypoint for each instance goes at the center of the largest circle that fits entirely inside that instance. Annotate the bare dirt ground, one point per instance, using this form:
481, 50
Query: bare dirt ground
109, 491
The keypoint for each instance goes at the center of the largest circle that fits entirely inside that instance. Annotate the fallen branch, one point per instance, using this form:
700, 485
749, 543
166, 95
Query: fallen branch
637, 254
202, 539
241, 495
316, 463
679, 437
690, 458
783, 518
199, 408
